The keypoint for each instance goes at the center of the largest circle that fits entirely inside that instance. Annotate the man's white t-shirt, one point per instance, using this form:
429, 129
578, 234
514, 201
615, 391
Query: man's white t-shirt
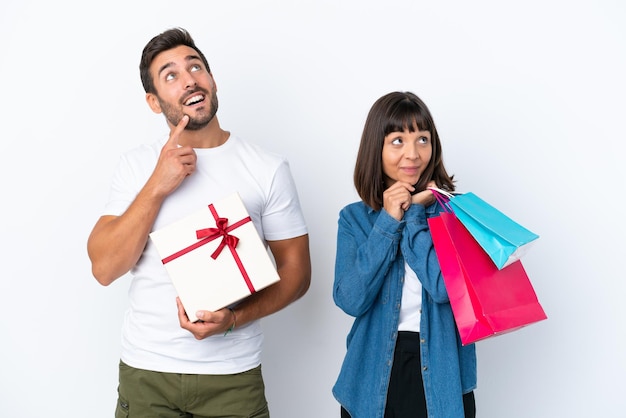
152, 338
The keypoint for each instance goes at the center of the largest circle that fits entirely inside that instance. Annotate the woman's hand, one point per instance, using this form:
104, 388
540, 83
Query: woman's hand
397, 199
425, 197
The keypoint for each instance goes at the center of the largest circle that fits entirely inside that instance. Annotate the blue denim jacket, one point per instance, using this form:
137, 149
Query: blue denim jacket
369, 273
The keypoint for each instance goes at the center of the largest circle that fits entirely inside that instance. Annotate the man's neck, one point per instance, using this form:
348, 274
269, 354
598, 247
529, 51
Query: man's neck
210, 136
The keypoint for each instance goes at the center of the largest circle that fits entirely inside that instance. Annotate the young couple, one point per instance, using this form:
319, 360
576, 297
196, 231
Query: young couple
404, 357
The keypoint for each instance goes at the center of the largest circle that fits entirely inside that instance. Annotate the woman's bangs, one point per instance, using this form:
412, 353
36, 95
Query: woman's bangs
407, 116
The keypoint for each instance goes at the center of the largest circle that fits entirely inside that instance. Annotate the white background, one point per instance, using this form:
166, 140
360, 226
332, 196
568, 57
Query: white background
529, 99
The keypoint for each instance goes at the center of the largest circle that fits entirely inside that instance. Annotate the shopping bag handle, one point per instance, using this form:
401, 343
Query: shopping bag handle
441, 192
443, 197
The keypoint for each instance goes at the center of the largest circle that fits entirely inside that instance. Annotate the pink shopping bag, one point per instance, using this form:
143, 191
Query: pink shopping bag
486, 301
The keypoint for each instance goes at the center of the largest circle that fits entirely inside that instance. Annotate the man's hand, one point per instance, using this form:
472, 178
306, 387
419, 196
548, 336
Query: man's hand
210, 323
175, 162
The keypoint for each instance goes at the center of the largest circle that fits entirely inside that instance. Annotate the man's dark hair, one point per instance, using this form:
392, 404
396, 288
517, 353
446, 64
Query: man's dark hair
167, 40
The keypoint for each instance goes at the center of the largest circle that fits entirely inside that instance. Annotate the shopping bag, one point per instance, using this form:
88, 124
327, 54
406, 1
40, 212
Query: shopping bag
500, 236
486, 301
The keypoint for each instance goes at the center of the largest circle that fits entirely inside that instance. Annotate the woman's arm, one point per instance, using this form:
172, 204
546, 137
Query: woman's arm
367, 245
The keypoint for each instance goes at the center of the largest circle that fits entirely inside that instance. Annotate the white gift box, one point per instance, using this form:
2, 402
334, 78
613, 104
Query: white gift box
215, 256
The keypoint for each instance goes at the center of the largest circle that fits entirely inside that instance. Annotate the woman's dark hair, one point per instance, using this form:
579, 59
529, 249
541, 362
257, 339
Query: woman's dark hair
167, 40
395, 112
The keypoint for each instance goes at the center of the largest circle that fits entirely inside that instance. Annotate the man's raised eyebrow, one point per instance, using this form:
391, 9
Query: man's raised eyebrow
169, 64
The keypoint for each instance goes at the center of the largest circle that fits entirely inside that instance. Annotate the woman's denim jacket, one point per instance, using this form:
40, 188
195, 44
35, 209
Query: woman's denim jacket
369, 273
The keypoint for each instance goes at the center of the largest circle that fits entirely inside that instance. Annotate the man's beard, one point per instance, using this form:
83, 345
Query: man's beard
173, 114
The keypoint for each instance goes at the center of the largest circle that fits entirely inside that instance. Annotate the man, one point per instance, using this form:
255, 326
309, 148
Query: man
172, 363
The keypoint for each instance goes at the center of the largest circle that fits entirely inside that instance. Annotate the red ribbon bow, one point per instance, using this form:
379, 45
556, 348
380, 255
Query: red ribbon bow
207, 235
212, 233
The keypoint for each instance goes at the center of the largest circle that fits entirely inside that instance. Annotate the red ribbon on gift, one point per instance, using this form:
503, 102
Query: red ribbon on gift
213, 233
207, 235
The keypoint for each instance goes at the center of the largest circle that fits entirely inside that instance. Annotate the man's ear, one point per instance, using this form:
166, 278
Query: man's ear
153, 102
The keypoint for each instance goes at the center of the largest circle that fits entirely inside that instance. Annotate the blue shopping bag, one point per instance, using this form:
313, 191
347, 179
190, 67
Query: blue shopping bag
503, 239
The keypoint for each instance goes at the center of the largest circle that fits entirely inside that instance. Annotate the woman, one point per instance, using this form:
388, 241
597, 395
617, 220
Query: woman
404, 357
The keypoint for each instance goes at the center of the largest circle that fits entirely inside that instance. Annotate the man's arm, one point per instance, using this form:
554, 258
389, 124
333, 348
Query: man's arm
116, 242
293, 263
